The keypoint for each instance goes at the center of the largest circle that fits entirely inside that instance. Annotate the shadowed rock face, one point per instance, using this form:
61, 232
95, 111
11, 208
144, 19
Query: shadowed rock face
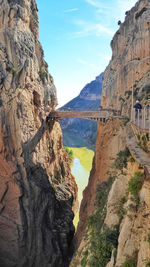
37, 189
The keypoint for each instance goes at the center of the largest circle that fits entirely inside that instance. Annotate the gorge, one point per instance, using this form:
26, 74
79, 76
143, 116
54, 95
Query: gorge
38, 194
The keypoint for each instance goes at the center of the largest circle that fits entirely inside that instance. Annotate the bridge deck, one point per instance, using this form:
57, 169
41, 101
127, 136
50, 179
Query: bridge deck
90, 115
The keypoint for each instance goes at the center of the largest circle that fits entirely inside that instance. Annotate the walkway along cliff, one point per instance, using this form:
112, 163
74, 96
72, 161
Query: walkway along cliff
37, 190
114, 220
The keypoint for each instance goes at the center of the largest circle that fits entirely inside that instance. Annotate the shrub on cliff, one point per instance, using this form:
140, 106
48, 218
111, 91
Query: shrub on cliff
101, 243
43, 75
102, 246
143, 141
69, 152
135, 185
97, 219
121, 160
131, 261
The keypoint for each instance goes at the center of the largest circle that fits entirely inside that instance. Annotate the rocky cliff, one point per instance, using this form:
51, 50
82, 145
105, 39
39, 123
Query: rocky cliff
129, 68
113, 227
37, 189
79, 132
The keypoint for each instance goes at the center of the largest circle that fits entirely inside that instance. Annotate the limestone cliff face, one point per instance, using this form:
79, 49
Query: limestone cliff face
130, 64
111, 220
110, 140
37, 189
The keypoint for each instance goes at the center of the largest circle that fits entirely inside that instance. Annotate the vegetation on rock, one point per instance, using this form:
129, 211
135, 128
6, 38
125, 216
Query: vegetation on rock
121, 160
84, 259
131, 261
14, 70
135, 185
103, 241
143, 141
122, 211
69, 152
43, 75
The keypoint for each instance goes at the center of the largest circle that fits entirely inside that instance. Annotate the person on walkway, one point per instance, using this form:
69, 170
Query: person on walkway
148, 105
148, 110
138, 108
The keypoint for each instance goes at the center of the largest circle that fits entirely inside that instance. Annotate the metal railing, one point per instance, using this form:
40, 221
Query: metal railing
141, 118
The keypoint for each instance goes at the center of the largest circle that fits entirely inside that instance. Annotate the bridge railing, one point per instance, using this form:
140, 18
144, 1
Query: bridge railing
141, 118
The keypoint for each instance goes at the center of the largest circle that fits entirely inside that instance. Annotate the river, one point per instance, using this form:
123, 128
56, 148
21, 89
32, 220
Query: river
81, 176
80, 169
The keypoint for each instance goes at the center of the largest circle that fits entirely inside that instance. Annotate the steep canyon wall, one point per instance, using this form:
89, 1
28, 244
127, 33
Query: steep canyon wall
37, 189
130, 64
110, 218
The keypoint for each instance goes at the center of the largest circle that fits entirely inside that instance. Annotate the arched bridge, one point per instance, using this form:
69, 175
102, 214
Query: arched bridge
101, 115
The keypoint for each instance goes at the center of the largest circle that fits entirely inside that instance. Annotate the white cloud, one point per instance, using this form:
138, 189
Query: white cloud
101, 7
83, 62
93, 3
89, 29
71, 10
91, 65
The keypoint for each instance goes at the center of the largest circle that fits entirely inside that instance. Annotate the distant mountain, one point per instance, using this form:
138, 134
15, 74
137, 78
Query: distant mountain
80, 132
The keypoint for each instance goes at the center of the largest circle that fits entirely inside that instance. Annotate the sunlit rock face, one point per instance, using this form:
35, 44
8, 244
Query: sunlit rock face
37, 189
129, 67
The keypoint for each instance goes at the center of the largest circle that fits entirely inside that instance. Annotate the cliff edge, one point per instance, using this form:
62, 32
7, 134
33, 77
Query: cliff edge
113, 227
37, 189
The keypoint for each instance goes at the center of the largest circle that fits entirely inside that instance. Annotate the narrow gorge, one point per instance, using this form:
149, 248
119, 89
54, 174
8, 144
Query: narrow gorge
38, 194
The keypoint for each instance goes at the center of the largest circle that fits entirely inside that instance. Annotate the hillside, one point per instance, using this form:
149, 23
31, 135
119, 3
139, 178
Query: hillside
79, 132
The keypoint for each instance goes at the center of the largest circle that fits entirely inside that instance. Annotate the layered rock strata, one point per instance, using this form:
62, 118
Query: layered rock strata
129, 68
111, 138
37, 189
127, 75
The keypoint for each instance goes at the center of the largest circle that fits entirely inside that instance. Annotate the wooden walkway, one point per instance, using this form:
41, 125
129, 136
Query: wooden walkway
139, 155
100, 115
142, 122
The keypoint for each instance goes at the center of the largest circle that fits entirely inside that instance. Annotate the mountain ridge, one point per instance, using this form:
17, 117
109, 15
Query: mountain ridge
80, 132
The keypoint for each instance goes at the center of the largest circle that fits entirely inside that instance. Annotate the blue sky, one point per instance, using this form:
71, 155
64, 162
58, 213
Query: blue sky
76, 36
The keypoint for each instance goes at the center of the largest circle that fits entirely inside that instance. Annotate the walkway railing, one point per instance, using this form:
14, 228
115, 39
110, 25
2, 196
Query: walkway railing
100, 115
141, 118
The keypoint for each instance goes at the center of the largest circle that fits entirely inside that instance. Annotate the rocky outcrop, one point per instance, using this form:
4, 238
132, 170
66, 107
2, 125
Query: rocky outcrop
111, 138
130, 64
37, 189
79, 132
113, 228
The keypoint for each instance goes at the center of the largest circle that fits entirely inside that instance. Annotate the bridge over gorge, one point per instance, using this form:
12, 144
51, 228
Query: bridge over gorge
141, 124
100, 116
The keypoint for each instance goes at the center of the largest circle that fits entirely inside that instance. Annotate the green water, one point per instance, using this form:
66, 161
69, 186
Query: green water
81, 176
81, 170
